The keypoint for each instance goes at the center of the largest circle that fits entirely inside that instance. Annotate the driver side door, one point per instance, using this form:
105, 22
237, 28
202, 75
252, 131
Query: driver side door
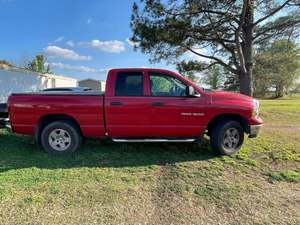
174, 114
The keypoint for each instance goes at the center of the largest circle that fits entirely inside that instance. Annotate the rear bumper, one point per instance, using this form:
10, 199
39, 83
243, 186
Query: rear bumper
4, 123
254, 130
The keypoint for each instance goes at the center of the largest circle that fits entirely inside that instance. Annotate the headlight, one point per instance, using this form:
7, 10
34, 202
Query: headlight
255, 111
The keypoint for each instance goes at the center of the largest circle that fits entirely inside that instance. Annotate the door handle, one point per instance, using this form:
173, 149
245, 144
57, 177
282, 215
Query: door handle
157, 104
116, 103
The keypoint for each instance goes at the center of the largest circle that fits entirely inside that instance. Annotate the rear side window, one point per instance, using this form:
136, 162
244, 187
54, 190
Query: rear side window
129, 84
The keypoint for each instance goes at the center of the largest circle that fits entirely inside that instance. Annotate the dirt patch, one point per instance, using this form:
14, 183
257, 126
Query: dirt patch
163, 198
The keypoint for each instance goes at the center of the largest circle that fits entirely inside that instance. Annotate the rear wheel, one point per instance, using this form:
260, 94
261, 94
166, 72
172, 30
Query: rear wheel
60, 138
227, 137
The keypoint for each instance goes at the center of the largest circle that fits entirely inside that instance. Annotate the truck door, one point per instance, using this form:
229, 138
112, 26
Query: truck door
127, 114
173, 113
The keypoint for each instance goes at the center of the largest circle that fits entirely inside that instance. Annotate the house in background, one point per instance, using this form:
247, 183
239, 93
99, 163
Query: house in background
97, 85
13, 79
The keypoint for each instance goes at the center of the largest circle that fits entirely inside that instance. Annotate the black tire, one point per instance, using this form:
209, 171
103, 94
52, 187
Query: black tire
220, 140
67, 130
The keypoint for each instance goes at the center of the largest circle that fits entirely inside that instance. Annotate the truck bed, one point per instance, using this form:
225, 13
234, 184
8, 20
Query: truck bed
28, 109
60, 93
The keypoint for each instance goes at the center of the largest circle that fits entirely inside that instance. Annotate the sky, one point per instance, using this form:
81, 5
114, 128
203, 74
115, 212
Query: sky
80, 38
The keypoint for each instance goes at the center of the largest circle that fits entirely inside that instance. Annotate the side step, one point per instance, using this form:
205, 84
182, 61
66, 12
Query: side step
154, 140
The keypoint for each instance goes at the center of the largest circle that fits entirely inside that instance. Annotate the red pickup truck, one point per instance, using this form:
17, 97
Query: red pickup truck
139, 105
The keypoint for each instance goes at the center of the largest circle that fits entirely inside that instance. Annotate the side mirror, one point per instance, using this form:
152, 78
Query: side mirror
190, 91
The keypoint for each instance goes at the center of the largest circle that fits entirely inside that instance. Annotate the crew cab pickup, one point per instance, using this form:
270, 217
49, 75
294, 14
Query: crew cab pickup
139, 105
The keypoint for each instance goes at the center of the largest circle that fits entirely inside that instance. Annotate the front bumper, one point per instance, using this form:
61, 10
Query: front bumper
254, 130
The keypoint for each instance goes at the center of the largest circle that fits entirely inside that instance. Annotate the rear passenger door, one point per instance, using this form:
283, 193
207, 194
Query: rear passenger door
127, 114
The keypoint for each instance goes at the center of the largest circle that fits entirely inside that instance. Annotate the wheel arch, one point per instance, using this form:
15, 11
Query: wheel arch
49, 118
228, 116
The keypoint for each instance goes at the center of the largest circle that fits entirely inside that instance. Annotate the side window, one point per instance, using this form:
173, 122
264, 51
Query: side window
129, 84
166, 85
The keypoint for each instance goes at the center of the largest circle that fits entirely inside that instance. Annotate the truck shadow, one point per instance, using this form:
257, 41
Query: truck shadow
17, 152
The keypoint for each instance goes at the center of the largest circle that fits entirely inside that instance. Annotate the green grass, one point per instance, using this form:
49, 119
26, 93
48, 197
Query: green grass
108, 183
290, 176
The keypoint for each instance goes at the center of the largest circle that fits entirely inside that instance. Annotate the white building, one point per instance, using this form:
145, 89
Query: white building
97, 85
19, 80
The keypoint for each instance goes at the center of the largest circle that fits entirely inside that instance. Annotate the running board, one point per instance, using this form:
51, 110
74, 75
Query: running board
154, 140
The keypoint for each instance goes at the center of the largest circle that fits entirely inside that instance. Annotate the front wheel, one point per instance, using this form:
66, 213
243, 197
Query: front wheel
227, 137
60, 138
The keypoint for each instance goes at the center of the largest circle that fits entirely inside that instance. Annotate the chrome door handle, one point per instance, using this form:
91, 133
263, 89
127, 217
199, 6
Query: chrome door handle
116, 103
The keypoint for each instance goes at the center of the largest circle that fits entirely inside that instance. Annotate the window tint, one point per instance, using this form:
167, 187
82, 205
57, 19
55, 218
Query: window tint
129, 84
166, 85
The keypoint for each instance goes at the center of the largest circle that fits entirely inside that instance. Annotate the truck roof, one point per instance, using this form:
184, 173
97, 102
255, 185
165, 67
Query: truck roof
142, 69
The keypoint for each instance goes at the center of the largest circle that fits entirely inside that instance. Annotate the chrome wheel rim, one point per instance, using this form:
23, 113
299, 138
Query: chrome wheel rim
231, 138
59, 139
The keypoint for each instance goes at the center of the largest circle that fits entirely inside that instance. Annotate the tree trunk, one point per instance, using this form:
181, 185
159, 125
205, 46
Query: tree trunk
246, 81
278, 92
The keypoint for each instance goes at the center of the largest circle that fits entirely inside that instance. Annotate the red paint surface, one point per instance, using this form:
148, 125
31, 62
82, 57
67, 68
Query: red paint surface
136, 117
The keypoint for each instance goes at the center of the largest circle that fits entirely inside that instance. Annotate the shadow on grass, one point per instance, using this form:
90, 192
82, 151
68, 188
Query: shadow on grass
17, 152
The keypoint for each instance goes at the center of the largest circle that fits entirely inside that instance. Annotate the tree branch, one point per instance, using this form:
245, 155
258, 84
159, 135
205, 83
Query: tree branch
217, 60
272, 13
210, 38
275, 28
231, 50
210, 65
195, 12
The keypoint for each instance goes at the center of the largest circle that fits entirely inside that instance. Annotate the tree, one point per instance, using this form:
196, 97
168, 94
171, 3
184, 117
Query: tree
188, 69
5, 62
38, 64
214, 77
227, 29
277, 67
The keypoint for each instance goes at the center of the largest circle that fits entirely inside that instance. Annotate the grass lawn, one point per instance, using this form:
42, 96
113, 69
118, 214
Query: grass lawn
108, 183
